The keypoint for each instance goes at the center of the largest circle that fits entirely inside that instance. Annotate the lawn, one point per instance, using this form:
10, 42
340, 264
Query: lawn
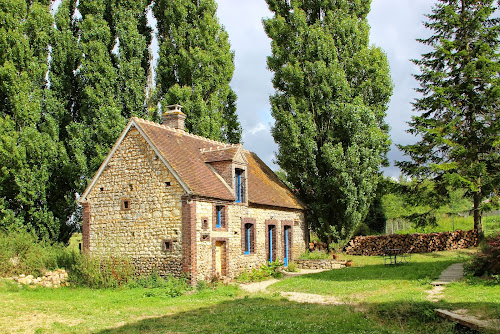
379, 300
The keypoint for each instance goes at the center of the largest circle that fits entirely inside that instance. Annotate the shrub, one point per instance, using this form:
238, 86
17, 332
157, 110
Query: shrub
264, 272
101, 272
315, 255
487, 262
157, 286
292, 267
22, 253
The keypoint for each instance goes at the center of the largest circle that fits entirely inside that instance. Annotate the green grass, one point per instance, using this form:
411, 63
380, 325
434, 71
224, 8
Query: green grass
224, 310
491, 225
381, 300
371, 281
481, 297
76, 310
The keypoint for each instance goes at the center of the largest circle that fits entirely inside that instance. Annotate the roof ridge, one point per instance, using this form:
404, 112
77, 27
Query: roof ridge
218, 148
182, 132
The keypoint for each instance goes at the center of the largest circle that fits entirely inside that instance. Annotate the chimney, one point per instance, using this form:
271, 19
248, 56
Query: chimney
174, 117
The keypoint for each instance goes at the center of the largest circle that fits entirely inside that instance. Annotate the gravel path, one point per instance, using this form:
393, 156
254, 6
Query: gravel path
299, 297
453, 273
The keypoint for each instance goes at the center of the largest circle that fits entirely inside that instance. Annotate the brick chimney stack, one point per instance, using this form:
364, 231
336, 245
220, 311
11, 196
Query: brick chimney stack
174, 117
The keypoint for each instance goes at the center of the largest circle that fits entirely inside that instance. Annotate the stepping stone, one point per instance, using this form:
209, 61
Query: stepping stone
453, 273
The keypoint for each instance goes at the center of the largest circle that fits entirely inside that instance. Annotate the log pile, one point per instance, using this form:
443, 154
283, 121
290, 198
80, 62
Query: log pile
412, 243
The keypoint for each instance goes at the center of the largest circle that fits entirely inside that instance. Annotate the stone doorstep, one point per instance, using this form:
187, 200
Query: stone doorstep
466, 320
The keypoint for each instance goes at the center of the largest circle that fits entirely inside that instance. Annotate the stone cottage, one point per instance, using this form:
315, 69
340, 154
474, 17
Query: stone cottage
180, 203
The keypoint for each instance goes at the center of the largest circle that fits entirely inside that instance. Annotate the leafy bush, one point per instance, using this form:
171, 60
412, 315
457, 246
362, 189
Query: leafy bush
157, 286
101, 272
22, 253
262, 273
292, 267
487, 262
315, 255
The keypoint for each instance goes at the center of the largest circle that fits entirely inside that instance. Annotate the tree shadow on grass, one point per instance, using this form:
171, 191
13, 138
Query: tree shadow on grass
258, 315
275, 315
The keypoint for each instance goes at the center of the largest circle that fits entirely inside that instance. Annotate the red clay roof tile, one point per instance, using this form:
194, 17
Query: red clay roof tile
187, 154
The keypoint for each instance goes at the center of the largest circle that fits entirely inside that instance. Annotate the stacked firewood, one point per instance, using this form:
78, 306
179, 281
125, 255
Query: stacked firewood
412, 243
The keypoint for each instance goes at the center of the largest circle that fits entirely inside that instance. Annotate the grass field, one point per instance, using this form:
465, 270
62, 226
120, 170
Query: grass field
491, 225
381, 300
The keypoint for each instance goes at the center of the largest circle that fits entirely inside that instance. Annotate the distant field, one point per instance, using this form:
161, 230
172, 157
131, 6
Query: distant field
491, 225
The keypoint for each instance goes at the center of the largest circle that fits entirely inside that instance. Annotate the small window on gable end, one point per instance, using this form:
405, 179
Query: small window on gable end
167, 245
125, 204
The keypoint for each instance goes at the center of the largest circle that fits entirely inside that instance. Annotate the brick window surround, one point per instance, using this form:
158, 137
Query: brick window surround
223, 217
272, 223
288, 224
247, 232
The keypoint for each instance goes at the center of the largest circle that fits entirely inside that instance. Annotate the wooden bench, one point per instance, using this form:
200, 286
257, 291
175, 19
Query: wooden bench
395, 256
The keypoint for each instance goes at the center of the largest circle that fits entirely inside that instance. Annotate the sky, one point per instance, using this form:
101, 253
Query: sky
395, 25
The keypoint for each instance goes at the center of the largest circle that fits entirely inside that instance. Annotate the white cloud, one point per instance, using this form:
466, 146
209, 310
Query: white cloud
395, 24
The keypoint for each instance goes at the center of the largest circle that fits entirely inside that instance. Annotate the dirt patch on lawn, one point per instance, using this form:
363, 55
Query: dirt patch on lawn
33, 321
311, 298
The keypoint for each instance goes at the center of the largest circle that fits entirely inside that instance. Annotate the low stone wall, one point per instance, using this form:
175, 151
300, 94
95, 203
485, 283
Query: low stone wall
320, 264
412, 243
51, 279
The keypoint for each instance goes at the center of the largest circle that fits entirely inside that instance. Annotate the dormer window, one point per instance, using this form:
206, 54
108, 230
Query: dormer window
238, 185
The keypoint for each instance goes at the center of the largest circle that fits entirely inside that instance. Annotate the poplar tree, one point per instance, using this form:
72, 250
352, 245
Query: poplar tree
132, 36
458, 114
332, 92
196, 66
28, 135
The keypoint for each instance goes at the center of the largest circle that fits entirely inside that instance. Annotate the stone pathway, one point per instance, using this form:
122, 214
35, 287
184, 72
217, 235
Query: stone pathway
453, 273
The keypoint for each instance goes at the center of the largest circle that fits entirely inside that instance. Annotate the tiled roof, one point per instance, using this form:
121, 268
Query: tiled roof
221, 154
187, 154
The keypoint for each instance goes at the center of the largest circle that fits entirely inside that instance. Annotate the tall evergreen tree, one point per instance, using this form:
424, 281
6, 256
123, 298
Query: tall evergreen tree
196, 66
459, 109
28, 134
332, 91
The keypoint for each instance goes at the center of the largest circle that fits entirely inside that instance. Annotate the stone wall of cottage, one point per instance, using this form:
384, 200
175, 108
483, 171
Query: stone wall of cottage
235, 260
149, 228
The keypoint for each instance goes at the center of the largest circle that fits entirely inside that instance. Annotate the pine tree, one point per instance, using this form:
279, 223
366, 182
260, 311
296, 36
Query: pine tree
28, 137
332, 92
458, 124
196, 66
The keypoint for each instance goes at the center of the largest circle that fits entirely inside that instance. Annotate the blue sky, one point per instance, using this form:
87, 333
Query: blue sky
395, 24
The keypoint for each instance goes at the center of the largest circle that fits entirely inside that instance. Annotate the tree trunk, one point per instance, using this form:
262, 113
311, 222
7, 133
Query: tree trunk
477, 216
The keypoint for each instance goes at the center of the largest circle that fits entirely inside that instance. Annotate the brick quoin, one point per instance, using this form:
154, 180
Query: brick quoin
189, 238
85, 227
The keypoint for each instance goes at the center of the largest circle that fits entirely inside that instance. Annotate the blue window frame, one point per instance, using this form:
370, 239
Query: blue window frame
248, 229
238, 194
219, 209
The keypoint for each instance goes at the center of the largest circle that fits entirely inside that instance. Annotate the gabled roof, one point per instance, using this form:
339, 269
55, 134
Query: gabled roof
187, 157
